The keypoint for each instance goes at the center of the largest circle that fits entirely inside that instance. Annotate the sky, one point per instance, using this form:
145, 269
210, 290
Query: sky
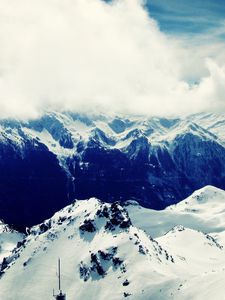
187, 16
154, 57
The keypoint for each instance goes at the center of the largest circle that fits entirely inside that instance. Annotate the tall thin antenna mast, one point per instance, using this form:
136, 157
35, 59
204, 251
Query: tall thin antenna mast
60, 296
59, 275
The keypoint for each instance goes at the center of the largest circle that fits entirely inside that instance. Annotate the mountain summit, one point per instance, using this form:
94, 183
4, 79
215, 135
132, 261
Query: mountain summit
105, 253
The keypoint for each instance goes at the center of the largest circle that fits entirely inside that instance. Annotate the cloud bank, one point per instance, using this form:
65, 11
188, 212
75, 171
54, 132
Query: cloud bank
86, 55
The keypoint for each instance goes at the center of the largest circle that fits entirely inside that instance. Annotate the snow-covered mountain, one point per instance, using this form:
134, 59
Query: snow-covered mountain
62, 156
8, 240
105, 252
99, 250
204, 211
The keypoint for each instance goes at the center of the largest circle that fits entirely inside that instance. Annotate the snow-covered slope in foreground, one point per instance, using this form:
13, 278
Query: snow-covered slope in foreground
105, 256
200, 244
8, 240
204, 210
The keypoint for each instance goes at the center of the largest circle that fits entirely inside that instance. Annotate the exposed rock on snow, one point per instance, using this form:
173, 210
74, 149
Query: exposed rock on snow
9, 239
119, 260
94, 255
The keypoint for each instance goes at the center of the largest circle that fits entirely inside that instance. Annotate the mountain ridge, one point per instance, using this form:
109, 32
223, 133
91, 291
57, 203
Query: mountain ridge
155, 161
105, 253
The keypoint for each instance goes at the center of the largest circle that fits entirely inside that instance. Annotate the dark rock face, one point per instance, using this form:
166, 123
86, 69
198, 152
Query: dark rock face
142, 175
32, 184
116, 216
126, 283
112, 175
55, 128
100, 263
118, 125
201, 161
153, 176
88, 226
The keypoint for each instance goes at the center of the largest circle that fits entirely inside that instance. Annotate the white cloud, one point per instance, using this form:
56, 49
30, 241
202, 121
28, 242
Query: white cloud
212, 88
88, 55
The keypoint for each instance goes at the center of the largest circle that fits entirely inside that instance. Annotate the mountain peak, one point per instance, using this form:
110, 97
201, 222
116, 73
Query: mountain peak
98, 246
208, 200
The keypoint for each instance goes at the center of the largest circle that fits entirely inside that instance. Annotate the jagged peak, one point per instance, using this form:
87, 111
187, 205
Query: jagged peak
91, 213
187, 126
101, 245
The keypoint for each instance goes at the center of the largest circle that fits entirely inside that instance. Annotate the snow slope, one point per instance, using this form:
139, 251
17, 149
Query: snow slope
105, 252
204, 210
102, 254
212, 122
200, 244
8, 240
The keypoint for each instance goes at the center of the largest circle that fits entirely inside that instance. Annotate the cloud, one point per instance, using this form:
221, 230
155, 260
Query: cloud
212, 89
86, 55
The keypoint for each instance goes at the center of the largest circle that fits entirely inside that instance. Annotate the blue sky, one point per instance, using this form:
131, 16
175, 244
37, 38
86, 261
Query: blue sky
188, 16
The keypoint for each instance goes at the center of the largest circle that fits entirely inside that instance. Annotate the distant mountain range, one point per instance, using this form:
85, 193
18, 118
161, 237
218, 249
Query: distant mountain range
109, 251
48, 162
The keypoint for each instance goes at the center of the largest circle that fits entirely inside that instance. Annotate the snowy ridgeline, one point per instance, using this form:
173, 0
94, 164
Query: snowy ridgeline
107, 252
64, 156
